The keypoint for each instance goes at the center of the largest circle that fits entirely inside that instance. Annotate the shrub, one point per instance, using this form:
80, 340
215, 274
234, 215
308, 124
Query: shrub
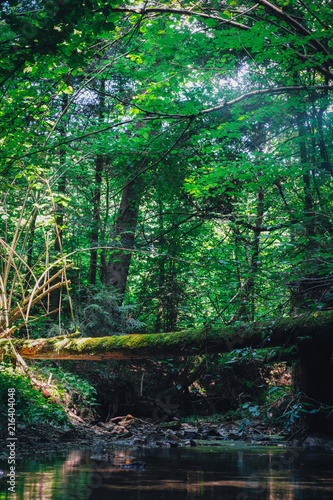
100, 313
31, 407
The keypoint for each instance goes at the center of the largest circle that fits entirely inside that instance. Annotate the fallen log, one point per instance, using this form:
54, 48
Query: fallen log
286, 332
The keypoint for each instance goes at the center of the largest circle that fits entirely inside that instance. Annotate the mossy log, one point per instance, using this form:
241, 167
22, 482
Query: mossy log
284, 332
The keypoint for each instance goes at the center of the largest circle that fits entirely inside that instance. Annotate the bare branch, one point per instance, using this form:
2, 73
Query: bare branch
182, 12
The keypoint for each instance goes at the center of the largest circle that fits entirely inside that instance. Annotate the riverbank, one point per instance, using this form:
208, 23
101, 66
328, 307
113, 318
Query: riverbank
134, 432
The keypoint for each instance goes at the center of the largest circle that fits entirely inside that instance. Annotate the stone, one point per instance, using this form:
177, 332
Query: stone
140, 440
169, 425
191, 434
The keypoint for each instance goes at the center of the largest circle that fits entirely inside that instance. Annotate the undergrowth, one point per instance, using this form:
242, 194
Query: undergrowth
74, 391
31, 408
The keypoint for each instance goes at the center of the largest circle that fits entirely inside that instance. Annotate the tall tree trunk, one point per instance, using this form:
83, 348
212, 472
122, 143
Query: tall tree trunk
119, 262
103, 228
59, 215
161, 286
305, 277
256, 250
55, 294
326, 164
161, 274
308, 201
173, 293
247, 306
99, 164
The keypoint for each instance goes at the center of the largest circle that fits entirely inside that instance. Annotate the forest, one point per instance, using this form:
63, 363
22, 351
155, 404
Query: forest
166, 185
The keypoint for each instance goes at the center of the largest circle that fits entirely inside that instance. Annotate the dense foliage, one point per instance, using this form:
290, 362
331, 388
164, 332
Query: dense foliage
31, 408
164, 165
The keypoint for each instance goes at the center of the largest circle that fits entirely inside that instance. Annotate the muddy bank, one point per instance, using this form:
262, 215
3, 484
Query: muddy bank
134, 432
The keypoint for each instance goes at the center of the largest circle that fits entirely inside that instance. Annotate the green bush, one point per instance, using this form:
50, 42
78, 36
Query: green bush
100, 314
31, 407
68, 385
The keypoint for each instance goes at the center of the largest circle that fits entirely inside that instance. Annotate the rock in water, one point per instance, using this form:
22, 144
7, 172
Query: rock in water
136, 464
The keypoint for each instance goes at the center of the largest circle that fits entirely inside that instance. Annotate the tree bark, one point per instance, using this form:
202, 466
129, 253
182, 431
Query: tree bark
247, 307
308, 197
59, 215
285, 331
96, 222
119, 262
96, 219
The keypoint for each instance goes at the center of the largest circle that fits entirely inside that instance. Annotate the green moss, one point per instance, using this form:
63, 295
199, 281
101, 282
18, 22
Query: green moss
225, 338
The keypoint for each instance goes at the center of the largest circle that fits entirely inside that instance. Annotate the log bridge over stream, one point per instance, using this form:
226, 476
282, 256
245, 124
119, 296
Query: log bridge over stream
308, 336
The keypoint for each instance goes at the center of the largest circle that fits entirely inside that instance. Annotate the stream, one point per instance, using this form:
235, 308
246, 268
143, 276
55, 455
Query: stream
231, 471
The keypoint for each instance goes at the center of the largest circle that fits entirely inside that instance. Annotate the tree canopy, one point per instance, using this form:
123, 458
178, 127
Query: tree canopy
164, 165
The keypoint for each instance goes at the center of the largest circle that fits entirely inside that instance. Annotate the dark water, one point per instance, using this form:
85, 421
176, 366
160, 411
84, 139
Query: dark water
230, 472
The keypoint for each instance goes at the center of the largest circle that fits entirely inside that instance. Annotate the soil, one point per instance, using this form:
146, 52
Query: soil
131, 431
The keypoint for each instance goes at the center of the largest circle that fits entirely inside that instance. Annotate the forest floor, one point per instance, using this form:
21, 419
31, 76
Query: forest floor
134, 432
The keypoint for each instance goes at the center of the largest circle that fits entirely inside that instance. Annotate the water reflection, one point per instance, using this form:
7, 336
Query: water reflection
229, 472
